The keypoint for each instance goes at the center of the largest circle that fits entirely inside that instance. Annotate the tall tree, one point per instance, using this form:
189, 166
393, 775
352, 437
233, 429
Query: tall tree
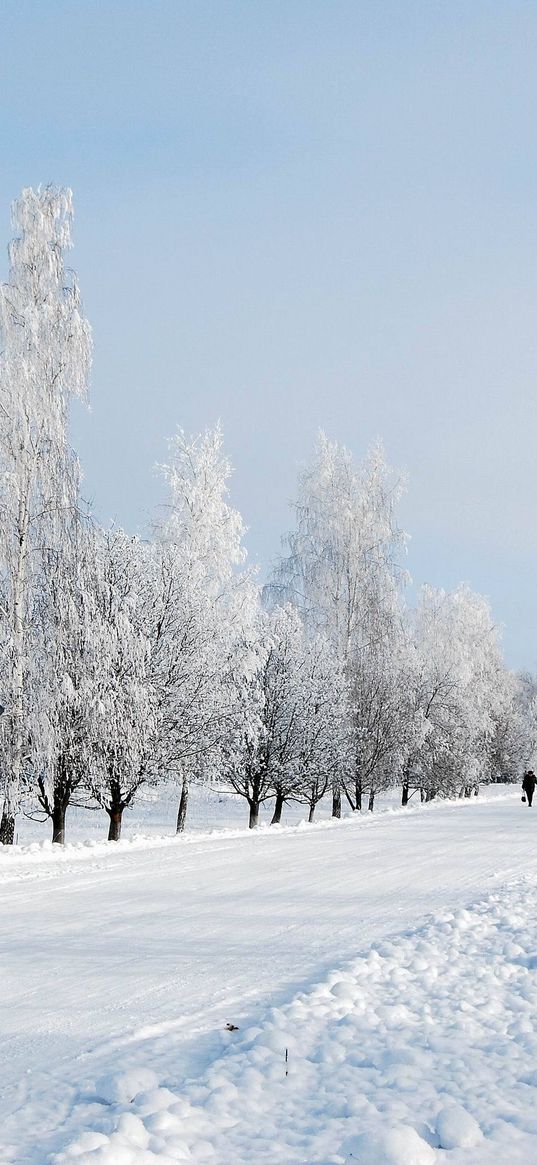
343, 572
45, 355
203, 611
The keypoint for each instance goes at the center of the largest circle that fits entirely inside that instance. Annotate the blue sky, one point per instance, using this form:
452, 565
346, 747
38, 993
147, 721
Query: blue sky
296, 214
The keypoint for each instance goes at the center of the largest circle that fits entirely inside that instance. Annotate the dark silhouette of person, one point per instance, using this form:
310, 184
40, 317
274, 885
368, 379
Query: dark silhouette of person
528, 785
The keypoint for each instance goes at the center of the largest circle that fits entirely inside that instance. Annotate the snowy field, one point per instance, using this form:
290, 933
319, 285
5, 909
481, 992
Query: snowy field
380, 973
154, 813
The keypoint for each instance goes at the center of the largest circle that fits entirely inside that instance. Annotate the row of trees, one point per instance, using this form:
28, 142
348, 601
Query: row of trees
127, 662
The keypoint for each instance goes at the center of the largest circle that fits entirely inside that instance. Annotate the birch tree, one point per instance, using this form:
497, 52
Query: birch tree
523, 750
69, 660
261, 759
45, 356
324, 737
459, 692
513, 745
204, 610
126, 721
343, 572
290, 742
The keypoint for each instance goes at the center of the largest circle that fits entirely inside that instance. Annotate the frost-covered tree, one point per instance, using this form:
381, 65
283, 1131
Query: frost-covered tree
304, 693
382, 721
513, 743
343, 572
127, 718
262, 760
324, 737
286, 705
526, 718
68, 656
45, 350
244, 761
203, 611
287, 747
458, 692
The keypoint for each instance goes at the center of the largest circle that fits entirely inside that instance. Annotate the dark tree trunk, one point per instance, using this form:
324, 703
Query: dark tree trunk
114, 831
58, 821
7, 829
422, 795
336, 800
183, 803
311, 813
430, 794
115, 810
371, 800
358, 793
405, 792
278, 806
254, 814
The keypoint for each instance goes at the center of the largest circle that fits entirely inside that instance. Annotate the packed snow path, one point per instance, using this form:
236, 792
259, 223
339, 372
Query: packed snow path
140, 957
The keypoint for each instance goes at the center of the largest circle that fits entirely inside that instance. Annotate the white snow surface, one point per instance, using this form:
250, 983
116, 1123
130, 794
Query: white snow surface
380, 973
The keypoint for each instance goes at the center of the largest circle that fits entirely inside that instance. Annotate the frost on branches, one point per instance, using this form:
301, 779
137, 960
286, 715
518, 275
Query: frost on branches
125, 663
203, 611
343, 573
290, 744
125, 707
465, 698
430, 704
45, 356
61, 720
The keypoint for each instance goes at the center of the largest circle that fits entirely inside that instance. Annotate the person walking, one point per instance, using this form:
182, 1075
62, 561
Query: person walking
528, 785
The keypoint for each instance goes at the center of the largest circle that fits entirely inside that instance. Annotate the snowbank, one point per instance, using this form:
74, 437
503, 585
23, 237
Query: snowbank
420, 1052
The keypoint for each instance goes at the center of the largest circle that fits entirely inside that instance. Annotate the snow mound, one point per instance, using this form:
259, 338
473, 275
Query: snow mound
123, 1087
360, 1069
457, 1129
401, 1145
85, 1144
133, 1139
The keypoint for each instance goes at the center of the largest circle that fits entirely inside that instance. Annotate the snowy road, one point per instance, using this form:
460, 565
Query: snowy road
146, 954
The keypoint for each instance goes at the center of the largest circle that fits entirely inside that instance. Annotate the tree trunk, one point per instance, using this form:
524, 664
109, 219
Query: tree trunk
422, 795
405, 792
430, 794
254, 814
58, 822
358, 793
371, 800
336, 800
311, 813
278, 806
114, 832
60, 800
183, 803
7, 827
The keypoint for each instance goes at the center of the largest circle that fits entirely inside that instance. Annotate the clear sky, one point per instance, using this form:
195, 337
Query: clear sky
294, 214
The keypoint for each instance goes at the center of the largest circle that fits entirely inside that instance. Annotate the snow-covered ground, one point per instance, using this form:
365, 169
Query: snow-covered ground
391, 956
